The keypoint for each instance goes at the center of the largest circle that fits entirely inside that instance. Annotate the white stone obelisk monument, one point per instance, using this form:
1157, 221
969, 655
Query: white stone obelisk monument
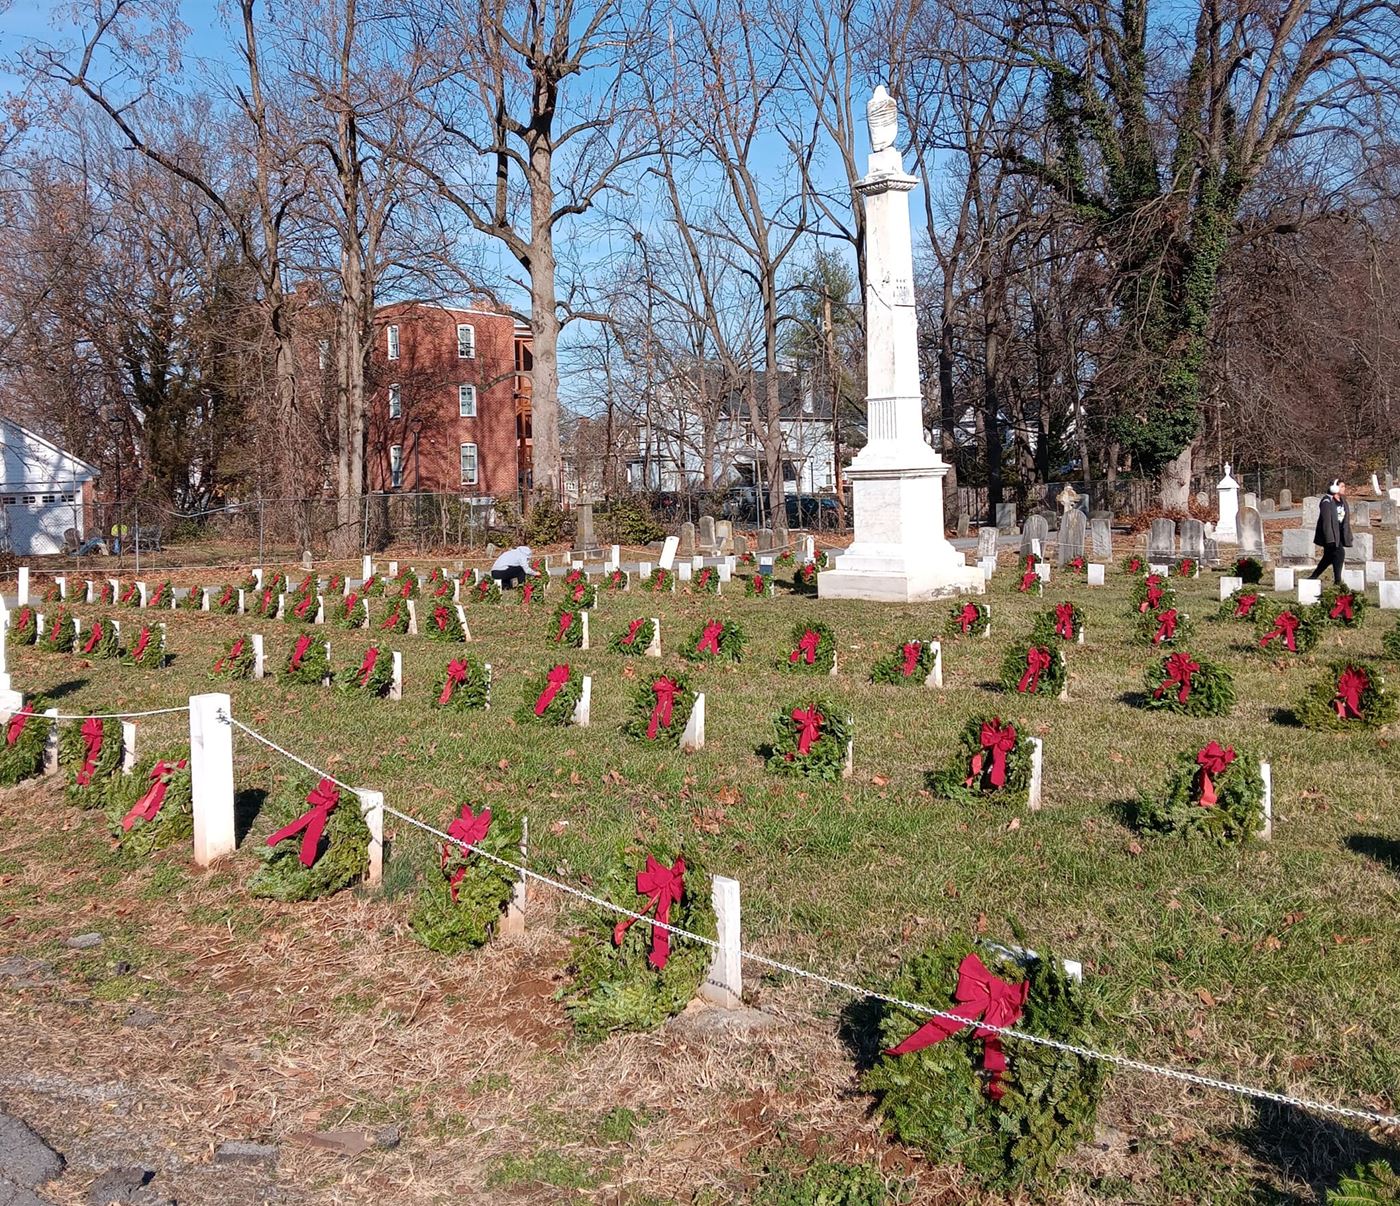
1227, 529
899, 553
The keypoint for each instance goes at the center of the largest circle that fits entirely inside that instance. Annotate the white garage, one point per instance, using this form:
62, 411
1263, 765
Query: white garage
44, 492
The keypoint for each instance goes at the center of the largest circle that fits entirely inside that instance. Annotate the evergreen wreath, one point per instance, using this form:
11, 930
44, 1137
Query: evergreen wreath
1352, 694
705, 581
810, 739
1166, 628
715, 641
302, 607
161, 596
1134, 563
1188, 567
746, 560
351, 611
26, 734
92, 752
1339, 605
580, 593
785, 560
1390, 643
335, 584
225, 602
988, 751
1152, 593
804, 578
250, 584
1030, 582
339, 854
405, 586
908, 664
1250, 570
59, 633
1063, 622
442, 623
130, 597
550, 696
1011, 1128
566, 626
660, 715
307, 661
1374, 1184
193, 599
373, 676
1240, 605
53, 593
615, 579
487, 590
823, 559
262, 603
100, 640
394, 618
372, 587
236, 661
635, 639
1213, 792
1275, 627
276, 582
462, 684
1078, 565
533, 589
147, 652
152, 808
813, 649
1034, 669
661, 580
759, 586
24, 628
439, 587
1179, 683
464, 895
614, 983
968, 618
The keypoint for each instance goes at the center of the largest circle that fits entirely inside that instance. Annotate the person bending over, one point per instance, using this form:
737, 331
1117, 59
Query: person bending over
512, 567
1333, 530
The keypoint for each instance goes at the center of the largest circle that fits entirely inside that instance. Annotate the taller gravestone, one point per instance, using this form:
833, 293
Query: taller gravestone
1227, 491
1251, 534
1071, 542
1161, 542
899, 553
1006, 518
1193, 539
686, 548
707, 533
1036, 534
1101, 539
583, 529
986, 543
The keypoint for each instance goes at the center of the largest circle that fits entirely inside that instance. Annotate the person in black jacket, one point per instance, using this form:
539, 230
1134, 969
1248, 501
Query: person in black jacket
1333, 530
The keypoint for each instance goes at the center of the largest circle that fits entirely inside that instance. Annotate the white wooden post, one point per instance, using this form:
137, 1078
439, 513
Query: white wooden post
367, 567
935, 676
51, 742
320, 610
141, 594
211, 777
396, 687
61, 581
585, 701
22, 588
259, 662
281, 606
204, 593
1266, 772
488, 684
412, 617
583, 617
90, 591
1037, 773
116, 586
723, 984
462, 619
654, 649
128, 746
242, 601
372, 809
850, 766
258, 577
694, 736
513, 919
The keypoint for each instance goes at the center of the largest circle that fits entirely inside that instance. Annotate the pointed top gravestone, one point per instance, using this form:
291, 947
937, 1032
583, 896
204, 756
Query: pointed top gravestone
1161, 542
1071, 540
1227, 491
1035, 535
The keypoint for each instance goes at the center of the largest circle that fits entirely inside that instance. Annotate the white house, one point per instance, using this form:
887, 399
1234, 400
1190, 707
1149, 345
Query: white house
44, 492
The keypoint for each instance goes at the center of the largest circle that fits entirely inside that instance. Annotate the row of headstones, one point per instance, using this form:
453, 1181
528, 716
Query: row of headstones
1309, 590
1079, 536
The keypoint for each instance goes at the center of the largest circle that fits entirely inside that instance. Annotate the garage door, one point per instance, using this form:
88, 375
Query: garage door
35, 524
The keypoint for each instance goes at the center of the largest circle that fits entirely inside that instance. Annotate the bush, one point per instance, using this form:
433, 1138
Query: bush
631, 521
544, 524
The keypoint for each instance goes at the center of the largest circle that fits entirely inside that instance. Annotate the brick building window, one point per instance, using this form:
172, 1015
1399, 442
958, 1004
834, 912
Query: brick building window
468, 464
392, 335
466, 342
395, 402
466, 401
396, 465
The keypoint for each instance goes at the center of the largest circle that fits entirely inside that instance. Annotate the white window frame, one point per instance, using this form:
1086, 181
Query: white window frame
395, 466
476, 464
466, 401
391, 335
466, 341
395, 401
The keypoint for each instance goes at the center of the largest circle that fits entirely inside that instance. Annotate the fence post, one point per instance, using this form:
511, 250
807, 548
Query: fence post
723, 984
211, 777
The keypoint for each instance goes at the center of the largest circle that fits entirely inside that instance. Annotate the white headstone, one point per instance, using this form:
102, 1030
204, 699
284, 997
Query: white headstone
668, 552
585, 703
412, 617
1354, 579
694, 736
935, 675
372, 810
1037, 774
1309, 590
1389, 595
396, 683
1229, 585
1228, 492
1375, 571
22, 588
128, 746
1096, 574
1283, 580
211, 777
51, 742
654, 649
723, 984
583, 619
259, 665
1266, 830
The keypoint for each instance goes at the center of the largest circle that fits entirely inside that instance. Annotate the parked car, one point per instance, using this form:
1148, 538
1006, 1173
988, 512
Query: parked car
812, 511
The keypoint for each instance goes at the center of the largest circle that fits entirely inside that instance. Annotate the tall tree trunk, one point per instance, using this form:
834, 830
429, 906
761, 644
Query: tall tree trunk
991, 421
1174, 483
547, 459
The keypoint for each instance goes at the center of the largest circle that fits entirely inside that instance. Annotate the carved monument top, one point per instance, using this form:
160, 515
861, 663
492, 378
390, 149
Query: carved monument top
882, 115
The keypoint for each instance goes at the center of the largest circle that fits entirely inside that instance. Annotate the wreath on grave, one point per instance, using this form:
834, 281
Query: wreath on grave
405, 586
351, 611
60, 633
759, 586
236, 661
104, 592
746, 560
487, 590
307, 661
322, 844
1078, 565
24, 628
100, 641
462, 684
26, 735
968, 619
372, 587
661, 580
705, 581
436, 577
1390, 643
1134, 563
635, 641
660, 709
629, 975
193, 600
262, 603
810, 740
1029, 583
302, 608
1008, 1111
442, 623
1034, 669
307, 586
394, 618
93, 753
1065, 622
152, 808
813, 650
581, 593
823, 559
131, 596
1179, 683
715, 641
1294, 629
276, 582
148, 651
464, 896
804, 578
1343, 606
1250, 570
551, 696
994, 760
615, 579
250, 584
1152, 594
225, 602
1352, 694
373, 676
1166, 628
53, 593
161, 596
1213, 792
1188, 567
566, 626
785, 560
1241, 605
335, 584
908, 664
532, 589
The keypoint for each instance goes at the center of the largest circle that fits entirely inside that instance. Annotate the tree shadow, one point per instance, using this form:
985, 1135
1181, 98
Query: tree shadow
1285, 717
1373, 846
1126, 812
1306, 1147
858, 1028
247, 805
65, 689
1134, 699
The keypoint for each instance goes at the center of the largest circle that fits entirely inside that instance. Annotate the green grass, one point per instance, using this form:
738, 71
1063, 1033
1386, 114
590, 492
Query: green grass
1273, 963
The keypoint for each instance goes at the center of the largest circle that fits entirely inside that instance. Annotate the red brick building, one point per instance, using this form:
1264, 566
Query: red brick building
450, 401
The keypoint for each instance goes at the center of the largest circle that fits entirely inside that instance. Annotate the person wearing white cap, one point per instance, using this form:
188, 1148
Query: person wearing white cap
1333, 530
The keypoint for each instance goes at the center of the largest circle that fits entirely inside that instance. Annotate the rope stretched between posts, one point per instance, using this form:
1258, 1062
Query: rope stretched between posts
119, 715
1121, 1061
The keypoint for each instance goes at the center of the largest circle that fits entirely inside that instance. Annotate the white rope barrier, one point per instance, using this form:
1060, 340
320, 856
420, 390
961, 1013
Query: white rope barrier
119, 715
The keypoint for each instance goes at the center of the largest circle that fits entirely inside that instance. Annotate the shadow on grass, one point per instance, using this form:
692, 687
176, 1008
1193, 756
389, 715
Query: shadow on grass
1373, 846
1134, 699
859, 1030
1125, 812
247, 804
1306, 1147
1286, 717
64, 689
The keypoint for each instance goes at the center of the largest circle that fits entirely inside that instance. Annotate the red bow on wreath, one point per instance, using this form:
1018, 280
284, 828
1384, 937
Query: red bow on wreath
986, 998
665, 691
456, 676
367, 666
312, 823
148, 806
527, 592
1028, 579
483, 588
299, 651
391, 620
440, 615
758, 587
406, 590
709, 639
566, 619
998, 740
1166, 627
1154, 597
303, 607
92, 740
1180, 668
156, 598
663, 886
1244, 606
17, 723
632, 629
1352, 684
806, 648
555, 679
141, 642
659, 581
1037, 661
467, 830
351, 601
93, 637
1213, 761
912, 652
1285, 625
968, 617
1341, 609
1064, 621
579, 591
809, 722
267, 600
56, 629
234, 653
